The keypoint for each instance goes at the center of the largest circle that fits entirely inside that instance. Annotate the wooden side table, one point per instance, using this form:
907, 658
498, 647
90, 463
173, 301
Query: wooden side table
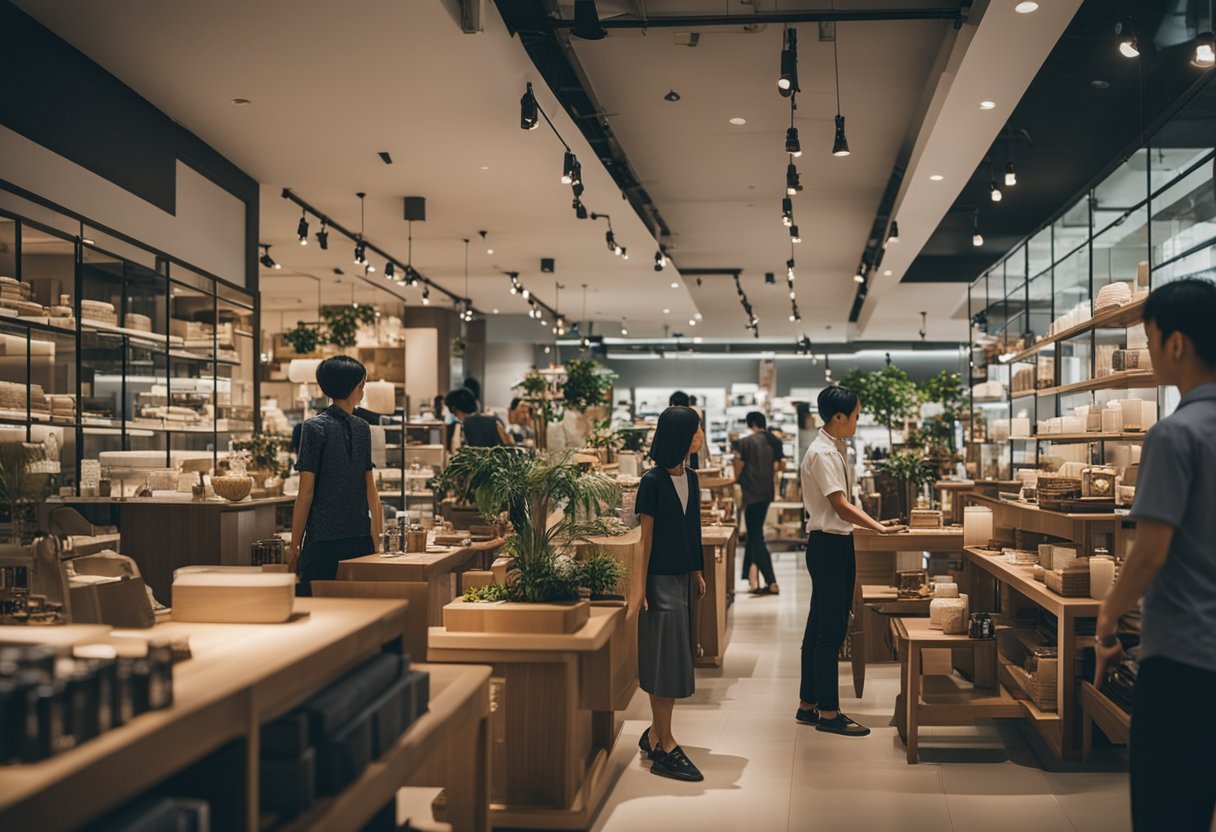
873, 605
944, 700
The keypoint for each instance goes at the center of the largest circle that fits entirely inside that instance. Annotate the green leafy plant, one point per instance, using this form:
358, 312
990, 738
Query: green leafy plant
487, 593
937, 432
910, 468
342, 323
601, 573
304, 339
551, 504
888, 395
19, 489
604, 437
633, 439
264, 453
587, 384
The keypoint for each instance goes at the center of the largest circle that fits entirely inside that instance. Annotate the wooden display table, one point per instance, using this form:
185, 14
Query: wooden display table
242, 676
874, 605
1097, 707
164, 535
944, 700
997, 586
876, 552
712, 634
553, 727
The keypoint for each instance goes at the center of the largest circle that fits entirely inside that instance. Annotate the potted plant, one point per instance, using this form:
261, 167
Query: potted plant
889, 396
546, 407
19, 489
602, 574
587, 384
633, 442
303, 339
605, 441
265, 453
910, 468
342, 323
552, 506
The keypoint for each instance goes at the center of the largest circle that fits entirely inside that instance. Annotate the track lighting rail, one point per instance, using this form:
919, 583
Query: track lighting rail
956, 13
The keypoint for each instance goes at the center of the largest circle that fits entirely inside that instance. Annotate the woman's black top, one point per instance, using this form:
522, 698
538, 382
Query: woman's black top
676, 547
481, 431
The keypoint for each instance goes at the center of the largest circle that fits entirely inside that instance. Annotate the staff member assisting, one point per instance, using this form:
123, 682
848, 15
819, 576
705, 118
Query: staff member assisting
827, 494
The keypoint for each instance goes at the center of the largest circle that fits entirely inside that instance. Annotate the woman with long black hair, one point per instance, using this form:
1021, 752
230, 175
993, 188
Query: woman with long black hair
669, 506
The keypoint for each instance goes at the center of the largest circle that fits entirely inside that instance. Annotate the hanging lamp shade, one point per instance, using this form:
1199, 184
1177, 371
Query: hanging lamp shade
380, 397
303, 370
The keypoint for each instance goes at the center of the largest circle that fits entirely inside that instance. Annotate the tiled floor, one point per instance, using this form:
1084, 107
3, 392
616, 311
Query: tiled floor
765, 772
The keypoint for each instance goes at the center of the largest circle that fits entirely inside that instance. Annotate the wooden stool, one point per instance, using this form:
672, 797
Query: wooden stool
945, 700
872, 605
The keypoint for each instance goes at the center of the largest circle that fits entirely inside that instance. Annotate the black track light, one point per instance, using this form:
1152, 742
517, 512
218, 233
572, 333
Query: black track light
610, 239
390, 270
587, 21
1205, 51
529, 111
789, 270
577, 175
787, 211
840, 147
426, 296
568, 163
994, 192
977, 239
660, 261
1129, 47
787, 81
792, 145
302, 229
795, 237
893, 234
360, 249
323, 237
580, 210
793, 182
1011, 178
266, 260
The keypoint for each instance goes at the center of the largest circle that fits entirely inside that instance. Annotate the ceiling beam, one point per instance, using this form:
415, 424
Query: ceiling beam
956, 13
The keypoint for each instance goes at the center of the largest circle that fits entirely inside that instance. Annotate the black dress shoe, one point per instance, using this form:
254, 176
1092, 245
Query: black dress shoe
841, 724
807, 717
676, 765
654, 752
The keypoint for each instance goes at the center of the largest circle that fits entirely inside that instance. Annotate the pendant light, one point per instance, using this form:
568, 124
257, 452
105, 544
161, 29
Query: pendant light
840, 145
977, 239
1129, 47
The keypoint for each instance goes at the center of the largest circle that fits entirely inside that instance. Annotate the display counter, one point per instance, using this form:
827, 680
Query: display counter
164, 535
242, 676
712, 634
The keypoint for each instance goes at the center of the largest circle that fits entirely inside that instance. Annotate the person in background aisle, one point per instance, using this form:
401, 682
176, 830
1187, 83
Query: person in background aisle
682, 399
519, 421
760, 457
337, 512
473, 386
1173, 566
827, 494
476, 430
669, 506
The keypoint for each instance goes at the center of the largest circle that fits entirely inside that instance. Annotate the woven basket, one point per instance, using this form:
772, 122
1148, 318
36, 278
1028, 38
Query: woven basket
1052, 491
235, 489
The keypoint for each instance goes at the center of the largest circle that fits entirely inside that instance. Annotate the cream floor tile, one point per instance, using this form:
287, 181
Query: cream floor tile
1002, 796
1093, 802
859, 796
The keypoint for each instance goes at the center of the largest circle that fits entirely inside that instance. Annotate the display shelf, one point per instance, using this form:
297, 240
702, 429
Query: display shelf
1099, 708
1090, 437
1127, 315
1013, 683
1127, 380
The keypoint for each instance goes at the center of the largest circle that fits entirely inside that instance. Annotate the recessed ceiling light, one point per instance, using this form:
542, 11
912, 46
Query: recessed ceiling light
1099, 84
485, 167
1026, 7
886, 273
666, 311
738, 121
240, 102
495, 311
675, 285
987, 105
672, 95
489, 251
937, 177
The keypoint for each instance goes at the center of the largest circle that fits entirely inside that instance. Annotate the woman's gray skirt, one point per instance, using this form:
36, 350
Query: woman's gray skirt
665, 637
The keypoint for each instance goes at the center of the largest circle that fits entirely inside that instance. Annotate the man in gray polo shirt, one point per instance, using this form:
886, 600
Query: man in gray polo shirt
760, 457
1173, 566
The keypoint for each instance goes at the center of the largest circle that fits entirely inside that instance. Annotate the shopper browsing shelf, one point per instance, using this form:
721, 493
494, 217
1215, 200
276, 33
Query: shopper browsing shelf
1173, 566
477, 430
760, 457
337, 511
827, 494
682, 399
669, 506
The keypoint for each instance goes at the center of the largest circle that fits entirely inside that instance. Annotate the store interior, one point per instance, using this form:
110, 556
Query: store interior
574, 210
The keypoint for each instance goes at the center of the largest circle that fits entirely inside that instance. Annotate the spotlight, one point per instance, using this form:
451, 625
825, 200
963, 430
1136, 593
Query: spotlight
624, 329
977, 239
568, 168
302, 229
580, 210
794, 236
793, 295
360, 248
370, 268
528, 110
610, 239
624, 253
860, 277
787, 81
840, 147
789, 269
793, 182
893, 234
266, 260
1129, 47
660, 261
792, 145
1011, 178
390, 270
526, 294
787, 211
769, 278
995, 192
587, 21
323, 237
1205, 51
426, 296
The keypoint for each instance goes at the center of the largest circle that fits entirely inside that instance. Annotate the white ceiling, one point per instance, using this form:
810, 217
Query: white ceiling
332, 85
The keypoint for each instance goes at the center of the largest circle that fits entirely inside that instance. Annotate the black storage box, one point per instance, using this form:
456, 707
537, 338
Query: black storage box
288, 784
336, 707
286, 737
343, 757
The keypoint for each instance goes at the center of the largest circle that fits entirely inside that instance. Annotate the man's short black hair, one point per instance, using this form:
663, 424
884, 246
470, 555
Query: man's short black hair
756, 419
473, 386
692, 401
515, 403
673, 435
339, 376
678, 399
461, 400
836, 399
1187, 306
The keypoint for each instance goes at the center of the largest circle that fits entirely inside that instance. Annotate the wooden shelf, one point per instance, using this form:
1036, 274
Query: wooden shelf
1127, 380
1115, 722
1123, 316
1021, 578
1089, 437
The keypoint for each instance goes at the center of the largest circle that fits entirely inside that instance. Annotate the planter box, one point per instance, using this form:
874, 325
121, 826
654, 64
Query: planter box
516, 617
462, 518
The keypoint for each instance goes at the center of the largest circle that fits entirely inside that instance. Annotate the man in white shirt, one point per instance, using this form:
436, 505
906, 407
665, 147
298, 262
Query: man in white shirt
827, 495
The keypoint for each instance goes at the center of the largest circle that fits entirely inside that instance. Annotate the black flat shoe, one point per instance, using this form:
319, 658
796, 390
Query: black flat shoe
676, 765
806, 717
653, 753
841, 724
771, 589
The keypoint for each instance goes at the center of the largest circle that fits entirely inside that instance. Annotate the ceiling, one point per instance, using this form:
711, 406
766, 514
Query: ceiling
1078, 129
331, 89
